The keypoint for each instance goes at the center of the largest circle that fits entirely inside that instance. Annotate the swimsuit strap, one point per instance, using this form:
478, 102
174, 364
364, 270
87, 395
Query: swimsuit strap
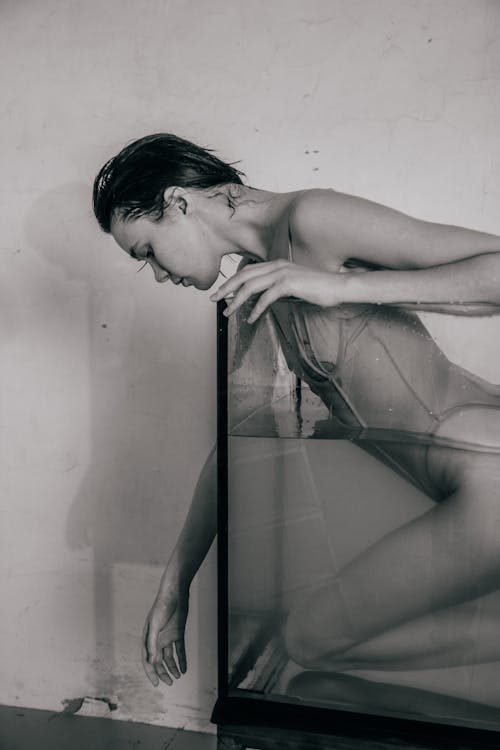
300, 194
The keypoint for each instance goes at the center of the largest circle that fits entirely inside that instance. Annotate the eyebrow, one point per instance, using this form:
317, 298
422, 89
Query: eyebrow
133, 253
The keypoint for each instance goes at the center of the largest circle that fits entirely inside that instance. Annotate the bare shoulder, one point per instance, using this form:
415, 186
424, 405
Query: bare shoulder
309, 207
314, 225
318, 210
336, 227
332, 227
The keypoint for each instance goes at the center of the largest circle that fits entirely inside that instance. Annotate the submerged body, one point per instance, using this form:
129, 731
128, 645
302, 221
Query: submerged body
379, 369
376, 367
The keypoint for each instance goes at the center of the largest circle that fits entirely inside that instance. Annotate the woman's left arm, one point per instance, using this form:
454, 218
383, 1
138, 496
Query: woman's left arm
418, 264
458, 284
420, 261
330, 224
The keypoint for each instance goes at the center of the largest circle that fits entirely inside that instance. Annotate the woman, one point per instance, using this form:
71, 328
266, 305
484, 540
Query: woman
179, 209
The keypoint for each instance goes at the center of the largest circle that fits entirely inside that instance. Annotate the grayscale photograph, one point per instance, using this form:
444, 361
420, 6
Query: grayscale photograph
250, 379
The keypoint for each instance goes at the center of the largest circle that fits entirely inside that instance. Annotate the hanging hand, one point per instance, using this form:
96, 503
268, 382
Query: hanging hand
163, 649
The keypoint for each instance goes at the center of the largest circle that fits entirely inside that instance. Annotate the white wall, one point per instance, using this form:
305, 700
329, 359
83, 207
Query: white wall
107, 381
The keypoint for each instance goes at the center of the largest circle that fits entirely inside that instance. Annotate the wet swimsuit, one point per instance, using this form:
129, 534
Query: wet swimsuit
377, 368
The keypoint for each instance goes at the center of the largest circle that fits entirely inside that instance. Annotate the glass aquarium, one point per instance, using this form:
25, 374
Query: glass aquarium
359, 512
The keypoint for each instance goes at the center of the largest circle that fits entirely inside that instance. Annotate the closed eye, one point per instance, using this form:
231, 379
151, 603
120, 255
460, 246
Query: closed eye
149, 254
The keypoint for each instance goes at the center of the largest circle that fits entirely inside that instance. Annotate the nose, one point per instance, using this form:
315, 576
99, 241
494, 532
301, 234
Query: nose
160, 274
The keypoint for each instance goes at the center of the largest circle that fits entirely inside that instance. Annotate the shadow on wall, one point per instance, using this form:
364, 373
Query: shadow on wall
121, 507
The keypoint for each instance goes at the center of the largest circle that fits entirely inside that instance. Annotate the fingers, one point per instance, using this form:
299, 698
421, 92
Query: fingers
253, 287
266, 299
162, 672
151, 639
149, 669
152, 659
248, 273
147, 665
280, 280
169, 661
166, 666
160, 664
181, 655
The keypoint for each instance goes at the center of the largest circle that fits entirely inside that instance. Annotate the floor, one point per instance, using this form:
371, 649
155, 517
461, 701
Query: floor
29, 729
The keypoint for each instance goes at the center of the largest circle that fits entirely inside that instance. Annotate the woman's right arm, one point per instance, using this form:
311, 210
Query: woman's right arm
165, 623
199, 530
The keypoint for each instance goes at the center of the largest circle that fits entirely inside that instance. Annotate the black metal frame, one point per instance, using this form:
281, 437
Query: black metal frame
233, 713
222, 506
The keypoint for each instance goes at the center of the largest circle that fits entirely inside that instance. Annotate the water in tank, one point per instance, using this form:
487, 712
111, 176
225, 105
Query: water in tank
364, 510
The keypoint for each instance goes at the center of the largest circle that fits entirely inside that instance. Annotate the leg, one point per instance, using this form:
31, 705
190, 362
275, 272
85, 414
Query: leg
457, 636
378, 696
447, 556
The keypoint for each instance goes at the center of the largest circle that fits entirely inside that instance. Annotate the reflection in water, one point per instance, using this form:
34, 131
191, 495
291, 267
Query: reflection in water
382, 560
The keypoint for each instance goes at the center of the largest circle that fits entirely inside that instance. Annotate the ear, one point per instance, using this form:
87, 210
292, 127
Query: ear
176, 199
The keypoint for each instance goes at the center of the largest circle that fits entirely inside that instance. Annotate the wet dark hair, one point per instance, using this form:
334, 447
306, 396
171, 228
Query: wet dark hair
133, 182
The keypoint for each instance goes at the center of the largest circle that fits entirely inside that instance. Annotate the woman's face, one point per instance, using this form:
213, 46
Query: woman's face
179, 246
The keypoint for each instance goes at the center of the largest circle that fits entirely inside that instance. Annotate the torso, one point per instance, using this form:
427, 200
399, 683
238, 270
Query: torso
378, 368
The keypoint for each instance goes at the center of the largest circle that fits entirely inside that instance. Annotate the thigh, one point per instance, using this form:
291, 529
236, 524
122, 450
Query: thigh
466, 449
409, 460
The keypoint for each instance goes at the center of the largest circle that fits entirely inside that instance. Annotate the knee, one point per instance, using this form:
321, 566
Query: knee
296, 640
309, 647
317, 684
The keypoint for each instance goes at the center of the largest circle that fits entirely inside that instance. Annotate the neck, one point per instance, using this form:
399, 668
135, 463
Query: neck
250, 229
